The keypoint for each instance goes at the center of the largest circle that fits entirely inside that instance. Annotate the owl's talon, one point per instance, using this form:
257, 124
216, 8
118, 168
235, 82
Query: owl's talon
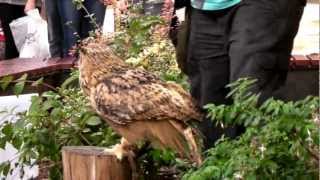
117, 150
121, 151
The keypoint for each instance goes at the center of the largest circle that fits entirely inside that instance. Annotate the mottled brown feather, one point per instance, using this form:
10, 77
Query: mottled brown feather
134, 96
135, 103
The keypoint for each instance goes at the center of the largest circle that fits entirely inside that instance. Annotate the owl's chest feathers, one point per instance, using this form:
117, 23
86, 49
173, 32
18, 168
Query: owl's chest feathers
90, 77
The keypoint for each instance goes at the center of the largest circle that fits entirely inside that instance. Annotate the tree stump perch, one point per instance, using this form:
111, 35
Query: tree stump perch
91, 163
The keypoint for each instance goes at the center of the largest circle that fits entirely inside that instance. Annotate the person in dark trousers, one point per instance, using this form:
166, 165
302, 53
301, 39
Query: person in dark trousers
230, 39
51, 13
65, 21
55, 30
9, 11
79, 23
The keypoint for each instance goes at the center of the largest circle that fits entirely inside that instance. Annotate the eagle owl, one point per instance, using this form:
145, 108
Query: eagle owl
136, 104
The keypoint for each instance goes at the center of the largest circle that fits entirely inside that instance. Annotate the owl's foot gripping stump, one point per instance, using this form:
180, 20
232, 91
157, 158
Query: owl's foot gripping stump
92, 163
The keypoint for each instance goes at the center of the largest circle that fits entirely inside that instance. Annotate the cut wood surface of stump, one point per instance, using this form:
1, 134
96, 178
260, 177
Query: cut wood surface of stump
91, 163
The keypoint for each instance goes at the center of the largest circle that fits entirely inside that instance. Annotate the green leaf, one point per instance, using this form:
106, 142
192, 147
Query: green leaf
47, 105
7, 130
156, 154
35, 104
49, 94
168, 156
37, 82
56, 114
5, 81
17, 142
55, 173
70, 80
79, 6
86, 130
18, 88
211, 171
23, 77
93, 121
4, 168
3, 143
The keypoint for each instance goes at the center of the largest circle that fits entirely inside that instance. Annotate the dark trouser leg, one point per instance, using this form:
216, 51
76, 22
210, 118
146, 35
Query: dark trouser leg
71, 24
261, 40
79, 23
98, 9
55, 34
8, 13
208, 66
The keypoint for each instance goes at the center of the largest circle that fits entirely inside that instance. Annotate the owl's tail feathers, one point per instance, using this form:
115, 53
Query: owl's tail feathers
174, 135
192, 139
194, 145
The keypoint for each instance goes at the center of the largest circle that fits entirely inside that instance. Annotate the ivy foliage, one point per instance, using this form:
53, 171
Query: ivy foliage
281, 140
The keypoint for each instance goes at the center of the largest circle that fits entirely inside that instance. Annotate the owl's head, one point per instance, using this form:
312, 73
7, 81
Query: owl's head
96, 52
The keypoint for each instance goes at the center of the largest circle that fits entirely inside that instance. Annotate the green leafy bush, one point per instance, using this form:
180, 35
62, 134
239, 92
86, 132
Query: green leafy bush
55, 119
61, 117
281, 139
138, 41
134, 34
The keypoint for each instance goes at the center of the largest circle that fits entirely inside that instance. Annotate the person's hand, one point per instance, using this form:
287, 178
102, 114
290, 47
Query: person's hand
108, 2
30, 5
167, 10
122, 5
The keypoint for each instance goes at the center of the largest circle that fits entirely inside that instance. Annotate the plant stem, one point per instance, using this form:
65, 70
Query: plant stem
29, 81
90, 17
80, 134
50, 165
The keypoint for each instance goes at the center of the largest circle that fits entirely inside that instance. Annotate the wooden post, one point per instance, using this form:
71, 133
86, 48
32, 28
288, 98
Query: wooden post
90, 163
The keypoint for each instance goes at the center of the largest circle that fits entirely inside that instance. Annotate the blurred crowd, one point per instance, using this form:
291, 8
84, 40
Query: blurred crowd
65, 22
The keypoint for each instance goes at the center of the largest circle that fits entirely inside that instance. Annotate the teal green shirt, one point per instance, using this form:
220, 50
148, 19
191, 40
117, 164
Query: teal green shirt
212, 5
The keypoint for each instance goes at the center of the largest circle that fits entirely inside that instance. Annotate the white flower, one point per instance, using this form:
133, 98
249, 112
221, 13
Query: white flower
222, 125
262, 148
308, 131
309, 139
133, 61
238, 175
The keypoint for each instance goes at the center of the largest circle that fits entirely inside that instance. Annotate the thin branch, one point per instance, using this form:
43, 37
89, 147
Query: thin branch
79, 133
30, 81
92, 20
51, 164
311, 152
44, 84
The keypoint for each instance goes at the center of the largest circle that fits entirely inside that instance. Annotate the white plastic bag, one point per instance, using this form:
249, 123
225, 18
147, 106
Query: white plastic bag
108, 23
31, 35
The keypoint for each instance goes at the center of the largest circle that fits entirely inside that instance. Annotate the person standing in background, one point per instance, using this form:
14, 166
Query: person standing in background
66, 24
55, 31
52, 15
2, 43
230, 39
9, 11
78, 22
